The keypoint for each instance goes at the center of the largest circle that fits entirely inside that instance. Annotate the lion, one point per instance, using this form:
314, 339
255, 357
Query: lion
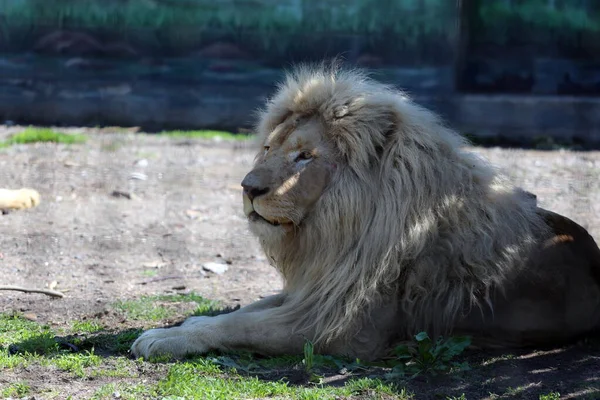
18, 199
383, 225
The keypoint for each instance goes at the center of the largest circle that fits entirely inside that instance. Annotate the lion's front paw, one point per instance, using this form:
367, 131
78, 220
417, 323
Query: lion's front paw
18, 199
174, 342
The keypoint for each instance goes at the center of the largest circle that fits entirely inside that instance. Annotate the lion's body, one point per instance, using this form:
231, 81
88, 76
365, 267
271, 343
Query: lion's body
383, 226
18, 199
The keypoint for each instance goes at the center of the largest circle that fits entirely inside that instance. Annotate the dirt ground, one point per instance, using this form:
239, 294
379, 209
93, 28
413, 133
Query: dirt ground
186, 211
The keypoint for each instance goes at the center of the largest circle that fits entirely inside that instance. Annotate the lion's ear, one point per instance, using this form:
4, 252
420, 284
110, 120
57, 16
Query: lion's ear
364, 127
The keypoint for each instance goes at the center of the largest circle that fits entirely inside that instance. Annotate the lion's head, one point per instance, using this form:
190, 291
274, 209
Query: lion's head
358, 193
292, 171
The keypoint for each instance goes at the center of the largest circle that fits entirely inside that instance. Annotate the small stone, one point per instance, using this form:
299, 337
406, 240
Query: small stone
192, 214
30, 316
216, 268
178, 287
143, 163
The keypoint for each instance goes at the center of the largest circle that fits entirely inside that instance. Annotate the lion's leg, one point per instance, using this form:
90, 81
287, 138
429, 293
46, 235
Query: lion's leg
262, 304
260, 330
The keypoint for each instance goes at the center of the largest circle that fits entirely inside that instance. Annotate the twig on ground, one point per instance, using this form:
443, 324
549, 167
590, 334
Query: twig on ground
48, 292
160, 278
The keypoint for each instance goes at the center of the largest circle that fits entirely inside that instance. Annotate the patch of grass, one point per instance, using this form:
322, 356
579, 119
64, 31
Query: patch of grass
18, 389
37, 135
12, 361
153, 308
249, 364
427, 356
150, 273
550, 396
193, 380
309, 362
124, 391
206, 134
25, 337
76, 363
87, 326
98, 355
144, 309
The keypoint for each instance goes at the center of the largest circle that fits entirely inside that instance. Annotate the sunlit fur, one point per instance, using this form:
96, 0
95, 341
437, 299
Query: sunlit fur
409, 215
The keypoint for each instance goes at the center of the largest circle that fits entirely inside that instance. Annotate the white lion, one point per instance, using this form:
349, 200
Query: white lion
383, 226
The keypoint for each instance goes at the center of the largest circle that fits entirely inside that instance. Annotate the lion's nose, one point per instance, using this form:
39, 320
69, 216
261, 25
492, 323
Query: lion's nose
252, 188
253, 192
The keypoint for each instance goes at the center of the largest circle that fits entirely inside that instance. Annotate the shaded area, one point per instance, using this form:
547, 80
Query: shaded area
531, 46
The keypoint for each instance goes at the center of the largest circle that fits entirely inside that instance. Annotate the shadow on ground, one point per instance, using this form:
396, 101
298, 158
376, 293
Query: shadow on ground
573, 371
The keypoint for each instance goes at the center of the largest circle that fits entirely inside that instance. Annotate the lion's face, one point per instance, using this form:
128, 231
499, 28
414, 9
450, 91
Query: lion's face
290, 174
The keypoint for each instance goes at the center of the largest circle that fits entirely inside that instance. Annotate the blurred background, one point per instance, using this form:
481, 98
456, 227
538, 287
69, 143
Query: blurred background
511, 69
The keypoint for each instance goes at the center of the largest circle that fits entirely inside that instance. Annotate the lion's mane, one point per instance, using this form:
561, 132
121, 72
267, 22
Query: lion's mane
410, 217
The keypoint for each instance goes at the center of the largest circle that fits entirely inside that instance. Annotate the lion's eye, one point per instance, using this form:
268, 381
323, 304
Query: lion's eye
304, 155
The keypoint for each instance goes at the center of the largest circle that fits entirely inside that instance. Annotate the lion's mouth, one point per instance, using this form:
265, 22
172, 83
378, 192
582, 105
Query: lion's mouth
256, 217
253, 216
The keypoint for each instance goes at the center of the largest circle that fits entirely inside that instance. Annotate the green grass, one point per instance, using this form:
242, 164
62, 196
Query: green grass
38, 135
150, 273
103, 355
550, 396
126, 391
426, 356
206, 134
32, 338
86, 326
156, 308
77, 363
199, 380
17, 389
